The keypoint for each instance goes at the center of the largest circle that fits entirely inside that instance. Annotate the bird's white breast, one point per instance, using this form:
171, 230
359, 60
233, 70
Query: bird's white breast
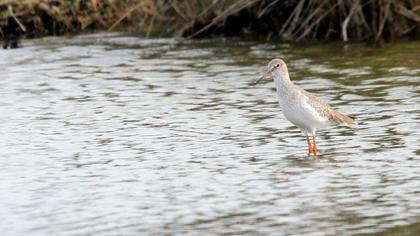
298, 111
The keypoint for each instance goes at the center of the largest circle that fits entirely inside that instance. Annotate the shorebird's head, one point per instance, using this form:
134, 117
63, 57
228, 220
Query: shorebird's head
276, 66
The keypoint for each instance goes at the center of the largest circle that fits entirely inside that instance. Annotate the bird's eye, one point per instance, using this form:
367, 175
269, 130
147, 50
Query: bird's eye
277, 65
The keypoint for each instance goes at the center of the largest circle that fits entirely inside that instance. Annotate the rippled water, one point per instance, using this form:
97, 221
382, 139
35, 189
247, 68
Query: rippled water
140, 136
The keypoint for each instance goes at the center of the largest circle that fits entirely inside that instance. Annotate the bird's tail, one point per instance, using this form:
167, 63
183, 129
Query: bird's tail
345, 119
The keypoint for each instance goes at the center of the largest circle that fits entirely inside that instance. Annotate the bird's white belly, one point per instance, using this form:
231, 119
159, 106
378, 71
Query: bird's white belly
302, 114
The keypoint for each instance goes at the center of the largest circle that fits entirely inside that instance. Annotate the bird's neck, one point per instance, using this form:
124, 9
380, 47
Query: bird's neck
282, 81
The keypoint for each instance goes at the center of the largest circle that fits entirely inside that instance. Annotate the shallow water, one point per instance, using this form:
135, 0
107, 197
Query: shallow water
137, 136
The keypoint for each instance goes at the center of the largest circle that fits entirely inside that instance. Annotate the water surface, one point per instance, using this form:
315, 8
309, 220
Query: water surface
136, 136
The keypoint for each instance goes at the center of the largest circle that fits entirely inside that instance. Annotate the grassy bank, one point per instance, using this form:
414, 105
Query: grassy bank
292, 20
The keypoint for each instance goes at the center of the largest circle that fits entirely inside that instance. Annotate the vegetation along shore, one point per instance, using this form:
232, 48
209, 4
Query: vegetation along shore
289, 20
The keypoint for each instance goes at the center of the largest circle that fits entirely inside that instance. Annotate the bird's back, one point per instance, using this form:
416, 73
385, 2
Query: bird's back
325, 110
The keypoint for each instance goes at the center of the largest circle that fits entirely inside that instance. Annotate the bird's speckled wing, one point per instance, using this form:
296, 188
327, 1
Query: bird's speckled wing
325, 110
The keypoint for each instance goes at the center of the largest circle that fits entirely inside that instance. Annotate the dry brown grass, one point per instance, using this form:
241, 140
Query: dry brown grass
293, 20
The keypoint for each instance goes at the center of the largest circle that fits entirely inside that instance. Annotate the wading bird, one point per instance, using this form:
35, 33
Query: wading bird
305, 110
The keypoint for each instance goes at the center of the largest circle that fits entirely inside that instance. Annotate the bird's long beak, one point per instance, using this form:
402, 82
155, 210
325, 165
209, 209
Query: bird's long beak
266, 74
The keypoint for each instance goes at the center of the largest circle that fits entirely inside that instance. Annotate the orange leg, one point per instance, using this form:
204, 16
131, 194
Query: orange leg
309, 145
315, 150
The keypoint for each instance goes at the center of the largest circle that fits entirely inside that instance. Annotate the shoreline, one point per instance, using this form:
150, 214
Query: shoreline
300, 20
